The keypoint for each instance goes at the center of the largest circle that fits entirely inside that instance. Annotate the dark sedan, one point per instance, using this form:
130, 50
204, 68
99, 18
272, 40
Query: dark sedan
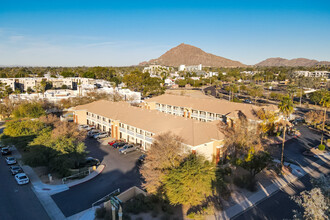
119, 145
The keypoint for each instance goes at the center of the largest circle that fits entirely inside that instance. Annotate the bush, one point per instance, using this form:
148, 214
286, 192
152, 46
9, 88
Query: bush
322, 147
247, 181
139, 204
166, 207
100, 212
165, 217
154, 213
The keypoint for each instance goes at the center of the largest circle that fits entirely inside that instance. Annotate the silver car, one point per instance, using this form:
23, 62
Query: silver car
100, 135
127, 148
92, 133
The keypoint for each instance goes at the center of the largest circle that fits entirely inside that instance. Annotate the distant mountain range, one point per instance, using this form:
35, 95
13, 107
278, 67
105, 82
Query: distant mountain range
294, 62
190, 55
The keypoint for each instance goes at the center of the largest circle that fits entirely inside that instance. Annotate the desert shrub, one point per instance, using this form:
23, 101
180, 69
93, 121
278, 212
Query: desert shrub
108, 216
247, 181
165, 217
138, 204
126, 216
322, 147
166, 207
154, 213
100, 212
200, 214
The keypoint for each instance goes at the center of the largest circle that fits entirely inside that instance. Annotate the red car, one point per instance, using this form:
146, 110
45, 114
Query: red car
112, 142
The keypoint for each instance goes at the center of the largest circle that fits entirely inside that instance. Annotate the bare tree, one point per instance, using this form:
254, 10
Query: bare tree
165, 153
241, 137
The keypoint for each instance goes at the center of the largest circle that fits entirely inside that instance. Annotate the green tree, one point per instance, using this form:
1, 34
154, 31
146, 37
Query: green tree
254, 162
191, 182
286, 108
325, 103
316, 97
29, 110
23, 128
255, 91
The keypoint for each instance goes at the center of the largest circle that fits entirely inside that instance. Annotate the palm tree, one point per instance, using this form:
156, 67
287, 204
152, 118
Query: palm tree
286, 108
325, 103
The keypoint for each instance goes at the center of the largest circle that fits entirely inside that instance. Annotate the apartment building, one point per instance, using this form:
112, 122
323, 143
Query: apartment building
191, 68
140, 126
323, 74
25, 83
156, 69
8, 82
204, 109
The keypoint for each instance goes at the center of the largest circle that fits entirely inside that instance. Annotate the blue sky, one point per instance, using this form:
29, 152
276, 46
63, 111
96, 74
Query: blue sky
120, 33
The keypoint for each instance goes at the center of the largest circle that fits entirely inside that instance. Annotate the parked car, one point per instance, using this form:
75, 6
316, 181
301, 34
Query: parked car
298, 121
5, 151
100, 135
90, 127
15, 170
91, 161
91, 133
247, 101
81, 127
127, 148
142, 158
111, 143
119, 144
11, 160
21, 178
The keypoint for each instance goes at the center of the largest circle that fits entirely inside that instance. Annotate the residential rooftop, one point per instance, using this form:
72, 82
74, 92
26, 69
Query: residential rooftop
193, 132
213, 105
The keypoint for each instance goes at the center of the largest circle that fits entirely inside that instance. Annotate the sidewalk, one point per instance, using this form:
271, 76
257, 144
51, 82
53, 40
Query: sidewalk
297, 172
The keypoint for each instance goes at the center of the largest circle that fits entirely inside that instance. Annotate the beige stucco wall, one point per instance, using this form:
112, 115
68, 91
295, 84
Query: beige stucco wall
80, 117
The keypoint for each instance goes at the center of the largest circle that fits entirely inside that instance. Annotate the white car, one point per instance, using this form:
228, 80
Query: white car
11, 160
21, 178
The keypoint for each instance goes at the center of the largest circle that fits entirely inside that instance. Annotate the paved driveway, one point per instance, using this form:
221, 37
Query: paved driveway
121, 171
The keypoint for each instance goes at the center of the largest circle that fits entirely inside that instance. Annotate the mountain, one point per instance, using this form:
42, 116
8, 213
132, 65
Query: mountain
294, 62
190, 55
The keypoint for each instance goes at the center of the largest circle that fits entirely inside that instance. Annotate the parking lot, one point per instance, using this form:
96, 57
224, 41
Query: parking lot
121, 171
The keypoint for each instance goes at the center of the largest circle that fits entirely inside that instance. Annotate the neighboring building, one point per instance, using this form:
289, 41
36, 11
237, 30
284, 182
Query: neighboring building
190, 68
323, 74
156, 69
204, 109
8, 82
211, 74
139, 126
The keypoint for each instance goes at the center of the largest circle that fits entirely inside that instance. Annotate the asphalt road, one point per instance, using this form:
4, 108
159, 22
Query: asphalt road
121, 171
280, 205
17, 202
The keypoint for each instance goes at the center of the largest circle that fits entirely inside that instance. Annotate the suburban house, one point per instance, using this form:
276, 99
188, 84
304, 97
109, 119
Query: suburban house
139, 126
204, 109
